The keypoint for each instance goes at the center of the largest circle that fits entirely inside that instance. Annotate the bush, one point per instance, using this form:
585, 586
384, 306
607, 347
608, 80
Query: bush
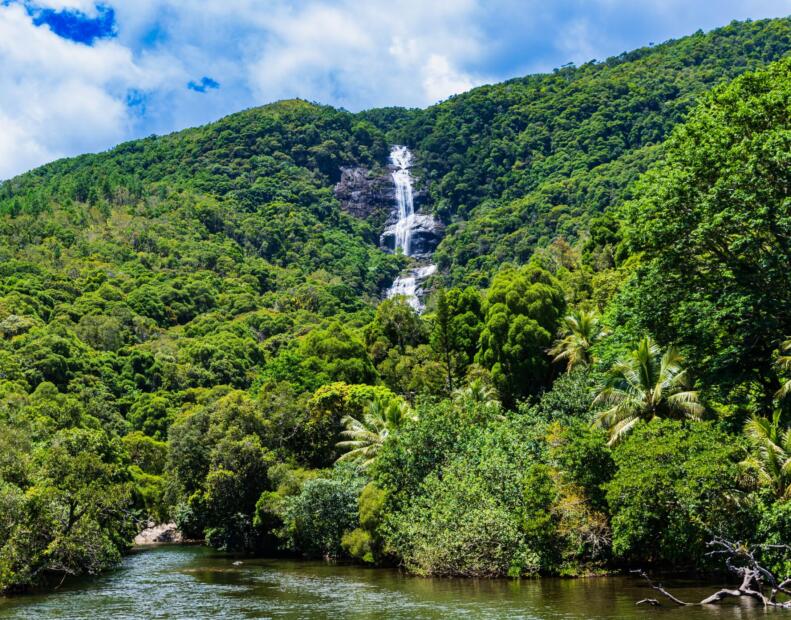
365, 542
676, 485
325, 509
486, 513
775, 529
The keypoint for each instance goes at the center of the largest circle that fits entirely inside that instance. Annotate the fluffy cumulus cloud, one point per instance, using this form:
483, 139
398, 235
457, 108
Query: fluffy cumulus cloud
83, 75
377, 53
54, 94
58, 96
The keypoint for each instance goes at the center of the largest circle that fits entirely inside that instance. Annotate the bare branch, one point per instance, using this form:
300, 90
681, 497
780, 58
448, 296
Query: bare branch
660, 589
741, 560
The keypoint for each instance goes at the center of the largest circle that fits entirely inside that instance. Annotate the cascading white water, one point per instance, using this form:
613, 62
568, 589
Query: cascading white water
401, 159
407, 284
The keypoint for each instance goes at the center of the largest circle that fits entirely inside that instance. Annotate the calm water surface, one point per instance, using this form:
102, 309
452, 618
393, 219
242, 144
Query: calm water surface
194, 582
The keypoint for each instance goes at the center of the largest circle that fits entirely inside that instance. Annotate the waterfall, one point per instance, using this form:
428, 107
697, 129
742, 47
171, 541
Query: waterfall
407, 284
401, 159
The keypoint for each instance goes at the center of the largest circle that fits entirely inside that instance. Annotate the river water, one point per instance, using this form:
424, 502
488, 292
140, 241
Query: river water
192, 582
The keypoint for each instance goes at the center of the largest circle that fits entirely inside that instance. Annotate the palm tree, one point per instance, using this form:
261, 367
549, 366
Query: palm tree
646, 384
363, 437
476, 391
581, 330
784, 363
771, 460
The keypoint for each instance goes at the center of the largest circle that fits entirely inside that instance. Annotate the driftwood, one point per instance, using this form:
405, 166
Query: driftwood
756, 581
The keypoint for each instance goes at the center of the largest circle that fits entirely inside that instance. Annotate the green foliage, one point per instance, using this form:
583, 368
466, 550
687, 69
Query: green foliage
322, 422
483, 514
498, 506
516, 164
424, 447
770, 461
152, 414
66, 510
363, 436
219, 457
568, 401
146, 452
522, 310
189, 323
316, 520
675, 485
711, 224
580, 332
774, 530
324, 355
271, 506
648, 383
365, 542
456, 331
585, 460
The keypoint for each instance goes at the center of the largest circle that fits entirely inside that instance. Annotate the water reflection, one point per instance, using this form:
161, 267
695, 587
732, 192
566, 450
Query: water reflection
193, 582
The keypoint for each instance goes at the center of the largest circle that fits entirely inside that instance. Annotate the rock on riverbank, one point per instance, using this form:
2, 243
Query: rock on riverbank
158, 533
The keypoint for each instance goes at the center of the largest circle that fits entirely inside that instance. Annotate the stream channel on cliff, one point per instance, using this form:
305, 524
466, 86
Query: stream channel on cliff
402, 231
193, 582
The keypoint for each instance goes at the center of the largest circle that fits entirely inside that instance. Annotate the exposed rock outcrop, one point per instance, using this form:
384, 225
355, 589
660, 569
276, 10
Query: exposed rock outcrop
157, 533
426, 233
368, 195
364, 194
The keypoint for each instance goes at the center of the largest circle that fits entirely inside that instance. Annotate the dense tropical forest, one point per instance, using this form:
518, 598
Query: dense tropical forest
192, 329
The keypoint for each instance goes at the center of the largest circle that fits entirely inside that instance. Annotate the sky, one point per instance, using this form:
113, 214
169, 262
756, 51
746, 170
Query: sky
82, 76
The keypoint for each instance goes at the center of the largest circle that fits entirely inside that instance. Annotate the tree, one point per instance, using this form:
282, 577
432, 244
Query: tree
712, 224
441, 337
73, 516
522, 311
747, 563
581, 330
783, 363
363, 437
648, 383
674, 484
220, 450
456, 327
771, 457
313, 439
152, 414
396, 324
316, 519
477, 392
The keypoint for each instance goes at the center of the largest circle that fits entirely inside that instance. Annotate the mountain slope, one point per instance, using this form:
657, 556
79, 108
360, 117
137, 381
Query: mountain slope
187, 323
516, 164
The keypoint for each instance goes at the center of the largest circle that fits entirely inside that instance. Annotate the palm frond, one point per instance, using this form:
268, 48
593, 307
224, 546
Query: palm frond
646, 383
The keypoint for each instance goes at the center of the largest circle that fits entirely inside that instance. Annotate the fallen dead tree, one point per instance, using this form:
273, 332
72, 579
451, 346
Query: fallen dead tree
756, 581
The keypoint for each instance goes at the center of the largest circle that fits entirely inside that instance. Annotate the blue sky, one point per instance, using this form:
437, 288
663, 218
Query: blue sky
80, 75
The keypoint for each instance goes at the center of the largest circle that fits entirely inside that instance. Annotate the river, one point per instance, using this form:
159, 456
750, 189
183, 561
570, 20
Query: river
192, 582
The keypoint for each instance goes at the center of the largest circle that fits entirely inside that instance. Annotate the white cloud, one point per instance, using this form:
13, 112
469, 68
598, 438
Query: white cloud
367, 54
58, 97
61, 98
441, 80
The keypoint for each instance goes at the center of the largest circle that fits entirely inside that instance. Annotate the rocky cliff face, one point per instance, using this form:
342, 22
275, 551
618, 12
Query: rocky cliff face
426, 235
365, 194
371, 196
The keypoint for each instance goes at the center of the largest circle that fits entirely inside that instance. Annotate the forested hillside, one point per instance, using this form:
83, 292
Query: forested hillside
192, 329
517, 164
